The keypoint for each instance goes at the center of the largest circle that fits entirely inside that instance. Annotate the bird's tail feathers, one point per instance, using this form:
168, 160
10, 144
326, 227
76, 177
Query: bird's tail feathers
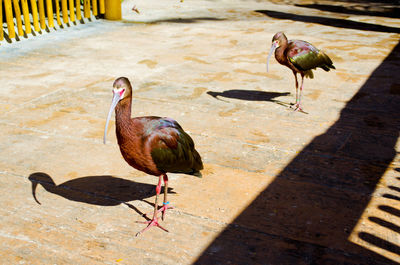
328, 64
198, 164
197, 174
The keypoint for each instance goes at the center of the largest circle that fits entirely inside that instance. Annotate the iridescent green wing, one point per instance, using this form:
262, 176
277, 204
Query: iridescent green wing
172, 149
304, 56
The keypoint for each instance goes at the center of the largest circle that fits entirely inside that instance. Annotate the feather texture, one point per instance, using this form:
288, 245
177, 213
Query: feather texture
155, 145
172, 149
304, 56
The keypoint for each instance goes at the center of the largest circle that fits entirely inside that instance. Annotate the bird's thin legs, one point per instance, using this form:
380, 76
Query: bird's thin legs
298, 105
166, 202
165, 187
297, 87
158, 190
154, 221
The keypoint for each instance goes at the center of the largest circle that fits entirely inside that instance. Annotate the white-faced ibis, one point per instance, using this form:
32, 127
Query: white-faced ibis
152, 144
301, 57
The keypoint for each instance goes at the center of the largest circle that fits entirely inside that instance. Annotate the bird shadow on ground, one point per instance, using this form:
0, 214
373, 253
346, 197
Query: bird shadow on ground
317, 209
333, 22
250, 95
97, 190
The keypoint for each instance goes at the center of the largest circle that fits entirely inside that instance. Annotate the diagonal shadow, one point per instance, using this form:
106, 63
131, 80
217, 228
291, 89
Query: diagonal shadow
176, 20
250, 95
389, 210
333, 22
306, 215
378, 11
98, 190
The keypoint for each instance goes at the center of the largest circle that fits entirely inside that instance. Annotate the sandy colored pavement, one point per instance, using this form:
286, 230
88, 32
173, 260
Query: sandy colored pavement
279, 187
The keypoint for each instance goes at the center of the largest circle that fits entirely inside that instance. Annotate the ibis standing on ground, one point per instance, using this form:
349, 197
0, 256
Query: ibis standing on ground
301, 57
152, 144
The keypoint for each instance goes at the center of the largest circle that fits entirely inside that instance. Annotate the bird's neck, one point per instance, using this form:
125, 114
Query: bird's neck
280, 55
123, 112
127, 130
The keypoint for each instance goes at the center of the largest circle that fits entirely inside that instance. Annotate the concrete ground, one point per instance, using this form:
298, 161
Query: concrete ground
278, 187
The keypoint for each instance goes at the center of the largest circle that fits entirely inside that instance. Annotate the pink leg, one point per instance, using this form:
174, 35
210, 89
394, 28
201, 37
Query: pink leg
297, 87
154, 221
165, 203
298, 104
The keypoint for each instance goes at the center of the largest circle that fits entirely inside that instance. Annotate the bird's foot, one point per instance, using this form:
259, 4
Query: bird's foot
297, 107
165, 207
153, 222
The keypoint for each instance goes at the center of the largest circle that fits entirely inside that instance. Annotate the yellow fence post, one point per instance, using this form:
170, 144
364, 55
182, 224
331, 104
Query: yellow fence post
27, 20
94, 7
113, 9
86, 8
50, 19
58, 13
35, 16
18, 17
41, 14
9, 18
64, 9
101, 7
71, 10
1, 20
78, 10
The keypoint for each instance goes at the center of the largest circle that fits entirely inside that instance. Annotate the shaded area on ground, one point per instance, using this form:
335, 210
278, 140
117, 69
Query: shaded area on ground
332, 22
306, 215
176, 20
355, 9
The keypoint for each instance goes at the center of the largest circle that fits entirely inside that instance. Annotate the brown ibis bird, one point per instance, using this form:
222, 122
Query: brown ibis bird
301, 57
154, 145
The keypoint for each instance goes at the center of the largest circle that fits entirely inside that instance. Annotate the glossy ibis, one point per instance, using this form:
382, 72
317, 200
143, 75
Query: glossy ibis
301, 57
152, 144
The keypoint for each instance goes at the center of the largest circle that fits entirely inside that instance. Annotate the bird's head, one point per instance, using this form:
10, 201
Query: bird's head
121, 89
277, 41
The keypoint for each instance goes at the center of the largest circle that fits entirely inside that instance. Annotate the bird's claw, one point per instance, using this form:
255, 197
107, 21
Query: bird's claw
163, 209
297, 107
153, 222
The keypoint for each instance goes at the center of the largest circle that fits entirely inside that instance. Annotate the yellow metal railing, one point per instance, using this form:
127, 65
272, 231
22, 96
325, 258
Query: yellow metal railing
22, 17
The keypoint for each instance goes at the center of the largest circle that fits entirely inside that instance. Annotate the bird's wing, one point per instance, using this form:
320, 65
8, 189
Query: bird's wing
172, 149
305, 56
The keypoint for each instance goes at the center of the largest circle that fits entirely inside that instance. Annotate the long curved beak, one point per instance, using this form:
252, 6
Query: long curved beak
114, 103
34, 185
273, 47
